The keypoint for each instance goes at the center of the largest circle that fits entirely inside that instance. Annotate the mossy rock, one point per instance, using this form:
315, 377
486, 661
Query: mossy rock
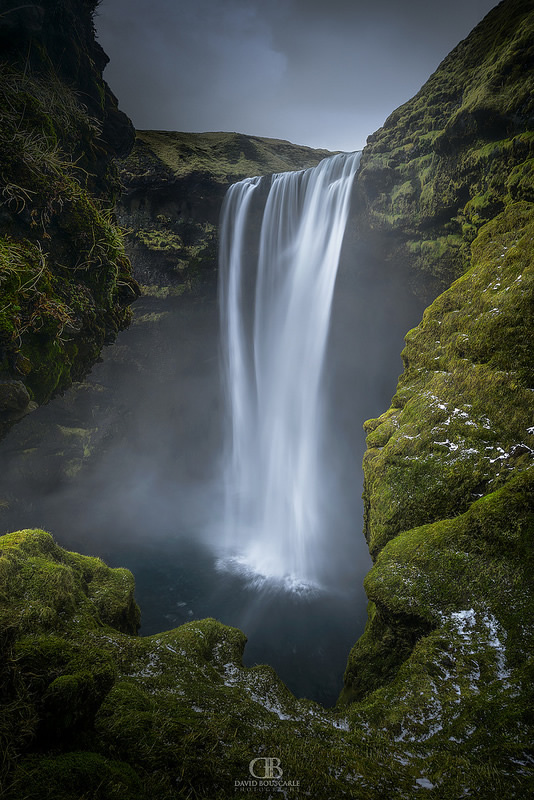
71, 776
44, 584
65, 282
455, 155
177, 715
461, 420
462, 588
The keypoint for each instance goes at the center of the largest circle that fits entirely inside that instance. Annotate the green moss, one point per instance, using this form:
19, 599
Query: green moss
456, 154
160, 240
44, 582
459, 423
71, 776
462, 588
386, 643
65, 282
225, 157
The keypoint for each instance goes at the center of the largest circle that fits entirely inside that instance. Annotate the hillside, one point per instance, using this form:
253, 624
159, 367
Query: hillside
222, 157
174, 187
455, 155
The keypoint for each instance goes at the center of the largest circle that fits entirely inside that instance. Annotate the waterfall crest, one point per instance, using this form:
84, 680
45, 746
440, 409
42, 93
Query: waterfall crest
275, 302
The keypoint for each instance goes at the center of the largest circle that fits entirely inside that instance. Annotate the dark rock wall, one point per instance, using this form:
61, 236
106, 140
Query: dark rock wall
65, 282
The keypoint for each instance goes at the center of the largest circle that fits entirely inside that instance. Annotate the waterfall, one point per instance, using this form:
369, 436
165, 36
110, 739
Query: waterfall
275, 301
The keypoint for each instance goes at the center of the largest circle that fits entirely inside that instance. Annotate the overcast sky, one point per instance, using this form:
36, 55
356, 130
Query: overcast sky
325, 73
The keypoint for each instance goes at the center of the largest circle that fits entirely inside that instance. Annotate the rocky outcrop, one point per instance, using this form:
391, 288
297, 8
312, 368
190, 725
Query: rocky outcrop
174, 186
460, 424
91, 709
447, 650
65, 280
455, 155
448, 469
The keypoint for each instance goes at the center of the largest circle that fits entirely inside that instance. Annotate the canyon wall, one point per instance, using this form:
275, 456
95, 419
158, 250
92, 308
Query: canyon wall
173, 189
65, 280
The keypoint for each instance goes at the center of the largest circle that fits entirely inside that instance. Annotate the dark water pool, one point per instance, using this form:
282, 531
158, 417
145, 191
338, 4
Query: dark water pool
305, 637
125, 466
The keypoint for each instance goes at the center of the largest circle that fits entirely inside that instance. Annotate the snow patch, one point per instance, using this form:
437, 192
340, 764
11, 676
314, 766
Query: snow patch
424, 783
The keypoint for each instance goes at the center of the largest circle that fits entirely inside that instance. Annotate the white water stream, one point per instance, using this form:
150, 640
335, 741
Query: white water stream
275, 303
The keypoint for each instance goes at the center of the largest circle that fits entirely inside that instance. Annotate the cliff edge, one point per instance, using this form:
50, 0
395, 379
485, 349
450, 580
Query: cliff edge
65, 280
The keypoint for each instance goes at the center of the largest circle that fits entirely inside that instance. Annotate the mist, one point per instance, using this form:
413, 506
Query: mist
127, 465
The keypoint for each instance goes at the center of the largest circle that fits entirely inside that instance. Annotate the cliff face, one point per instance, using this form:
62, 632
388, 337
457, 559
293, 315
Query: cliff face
449, 466
64, 277
174, 186
455, 155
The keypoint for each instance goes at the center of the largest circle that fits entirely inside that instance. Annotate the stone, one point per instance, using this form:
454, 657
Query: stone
14, 399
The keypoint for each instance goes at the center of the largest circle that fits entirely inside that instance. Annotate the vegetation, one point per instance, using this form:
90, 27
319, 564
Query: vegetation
222, 157
460, 422
456, 154
65, 282
184, 258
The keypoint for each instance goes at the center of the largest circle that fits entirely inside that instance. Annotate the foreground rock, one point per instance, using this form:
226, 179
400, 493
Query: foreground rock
92, 708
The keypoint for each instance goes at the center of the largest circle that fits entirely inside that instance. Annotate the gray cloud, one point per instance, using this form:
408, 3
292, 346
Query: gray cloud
320, 72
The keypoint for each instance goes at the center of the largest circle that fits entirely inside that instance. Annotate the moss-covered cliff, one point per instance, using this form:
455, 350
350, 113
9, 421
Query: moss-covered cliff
456, 154
449, 467
448, 470
174, 186
65, 282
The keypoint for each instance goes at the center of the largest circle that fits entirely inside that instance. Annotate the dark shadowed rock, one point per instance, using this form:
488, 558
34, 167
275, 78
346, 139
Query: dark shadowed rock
14, 399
